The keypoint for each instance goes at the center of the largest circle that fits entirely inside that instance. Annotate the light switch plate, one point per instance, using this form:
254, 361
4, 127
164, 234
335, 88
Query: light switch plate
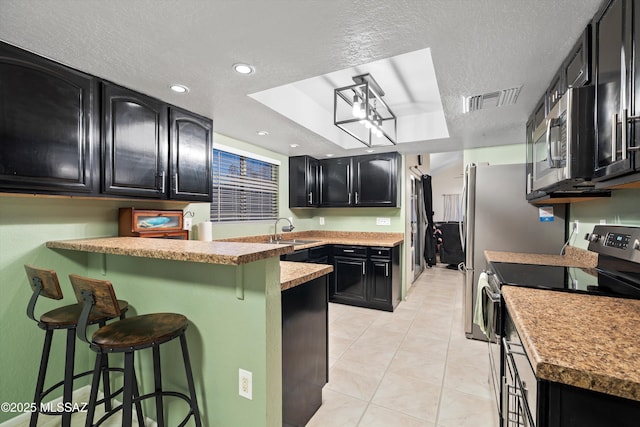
188, 222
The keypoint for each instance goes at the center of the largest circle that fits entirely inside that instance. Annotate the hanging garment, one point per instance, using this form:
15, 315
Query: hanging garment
429, 239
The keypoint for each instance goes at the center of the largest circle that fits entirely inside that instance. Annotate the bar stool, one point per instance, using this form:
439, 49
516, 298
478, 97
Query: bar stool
45, 283
127, 336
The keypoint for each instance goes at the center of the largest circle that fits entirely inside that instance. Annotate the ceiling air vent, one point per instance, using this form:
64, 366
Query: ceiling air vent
491, 99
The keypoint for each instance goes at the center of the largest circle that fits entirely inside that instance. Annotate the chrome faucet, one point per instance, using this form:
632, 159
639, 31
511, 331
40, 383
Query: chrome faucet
286, 228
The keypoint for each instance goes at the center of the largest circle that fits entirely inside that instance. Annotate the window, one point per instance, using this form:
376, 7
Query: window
244, 189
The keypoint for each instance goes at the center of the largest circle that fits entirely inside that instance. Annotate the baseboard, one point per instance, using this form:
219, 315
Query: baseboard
79, 395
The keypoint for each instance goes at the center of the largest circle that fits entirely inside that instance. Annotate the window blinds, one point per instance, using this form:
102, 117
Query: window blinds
244, 189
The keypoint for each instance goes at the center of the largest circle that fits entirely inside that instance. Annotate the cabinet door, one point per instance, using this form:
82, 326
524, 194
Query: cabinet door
135, 144
45, 124
350, 274
578, 64
612, 28
335, 182
376, 182
380, 284
303, 182
190, 156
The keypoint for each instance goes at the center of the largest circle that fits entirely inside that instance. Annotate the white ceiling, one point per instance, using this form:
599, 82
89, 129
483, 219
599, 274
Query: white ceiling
477, 46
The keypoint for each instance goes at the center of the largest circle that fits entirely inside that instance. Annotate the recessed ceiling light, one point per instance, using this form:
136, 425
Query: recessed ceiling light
262, 133
329, 155
370, 151
179, 88
243, 69
294, 145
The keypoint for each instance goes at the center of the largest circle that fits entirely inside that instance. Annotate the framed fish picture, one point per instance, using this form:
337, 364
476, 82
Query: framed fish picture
151, 223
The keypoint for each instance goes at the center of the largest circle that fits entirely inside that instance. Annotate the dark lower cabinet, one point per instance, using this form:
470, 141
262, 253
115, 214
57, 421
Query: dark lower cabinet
46, 127
305, 368
366, 276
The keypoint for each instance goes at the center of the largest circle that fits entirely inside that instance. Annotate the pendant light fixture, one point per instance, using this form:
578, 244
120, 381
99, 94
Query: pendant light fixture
360, 111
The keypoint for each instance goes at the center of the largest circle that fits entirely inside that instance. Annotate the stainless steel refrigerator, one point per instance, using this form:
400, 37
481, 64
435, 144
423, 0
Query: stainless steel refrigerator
498, 217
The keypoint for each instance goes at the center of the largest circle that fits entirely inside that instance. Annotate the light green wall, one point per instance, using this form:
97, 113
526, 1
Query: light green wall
621, 208
504, 154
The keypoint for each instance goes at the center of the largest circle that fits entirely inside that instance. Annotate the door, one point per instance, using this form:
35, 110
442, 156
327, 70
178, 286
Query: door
335, 182
612, 27
375, 179
45, 124
190, 156
380, 283
350, 275
135, 144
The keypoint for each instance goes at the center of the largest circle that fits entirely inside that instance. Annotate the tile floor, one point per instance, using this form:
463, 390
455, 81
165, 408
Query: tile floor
409, 368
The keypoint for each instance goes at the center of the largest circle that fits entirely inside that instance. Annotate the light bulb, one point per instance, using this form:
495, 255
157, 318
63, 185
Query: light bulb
362, 112
367, 124
356, 106
378, 133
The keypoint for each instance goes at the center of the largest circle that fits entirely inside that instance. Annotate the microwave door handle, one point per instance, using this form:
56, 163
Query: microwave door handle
623, 143
549, 150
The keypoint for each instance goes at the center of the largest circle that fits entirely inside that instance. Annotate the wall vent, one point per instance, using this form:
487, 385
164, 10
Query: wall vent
491, 99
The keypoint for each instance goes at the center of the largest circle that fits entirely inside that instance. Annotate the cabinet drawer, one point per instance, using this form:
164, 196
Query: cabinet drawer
376, 252
359, 251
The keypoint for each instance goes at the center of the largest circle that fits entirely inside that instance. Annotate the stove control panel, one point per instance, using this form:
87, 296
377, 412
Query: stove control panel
615, 240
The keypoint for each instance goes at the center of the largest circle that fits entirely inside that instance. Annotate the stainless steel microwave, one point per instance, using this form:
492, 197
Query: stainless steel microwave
562, 149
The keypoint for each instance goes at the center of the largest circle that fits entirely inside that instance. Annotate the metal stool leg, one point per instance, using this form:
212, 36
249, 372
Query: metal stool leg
192, 388
44, 361
127, 396
93, 397
67, 388
157, 376
136, 394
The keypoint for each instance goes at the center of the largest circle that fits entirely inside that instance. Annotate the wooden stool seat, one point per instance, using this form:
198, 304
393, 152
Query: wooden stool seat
68, 315
140, 331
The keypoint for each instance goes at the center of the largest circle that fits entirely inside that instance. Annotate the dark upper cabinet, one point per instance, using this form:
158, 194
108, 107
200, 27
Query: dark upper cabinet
135, 143
335, 182
615, 75
375, 179
303, 182
577, 66
46, 128
360, 181
190, 147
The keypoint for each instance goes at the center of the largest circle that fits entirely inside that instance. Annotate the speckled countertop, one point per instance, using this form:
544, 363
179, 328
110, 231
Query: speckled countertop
596, 347
230, 253
330, 238
296, 273
573, 257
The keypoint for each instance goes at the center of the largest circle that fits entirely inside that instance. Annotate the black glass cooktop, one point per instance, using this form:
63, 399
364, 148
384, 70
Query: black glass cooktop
571, 279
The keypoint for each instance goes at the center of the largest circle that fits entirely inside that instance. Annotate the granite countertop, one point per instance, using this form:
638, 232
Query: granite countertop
573, 257
229, 253
585, 341
296, 273
330, 238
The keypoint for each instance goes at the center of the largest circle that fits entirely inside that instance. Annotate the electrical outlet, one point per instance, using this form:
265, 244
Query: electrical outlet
383, 221
576, 227
321, 220
188, 222
603, 221
245, 384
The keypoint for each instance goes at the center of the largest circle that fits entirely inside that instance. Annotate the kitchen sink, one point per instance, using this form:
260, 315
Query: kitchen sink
293, 242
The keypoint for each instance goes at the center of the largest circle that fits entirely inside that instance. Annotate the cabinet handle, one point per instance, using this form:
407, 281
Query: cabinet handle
356, 197
637, 147
363, 268
349, 250
614, 136
176, 182
349, 198
623, 143
162, 175
386, 269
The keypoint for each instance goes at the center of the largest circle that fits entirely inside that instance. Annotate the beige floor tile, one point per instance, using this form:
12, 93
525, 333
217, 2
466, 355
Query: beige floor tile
408, 395
419, 366
465, 410
355, 379
338, 410
377, 416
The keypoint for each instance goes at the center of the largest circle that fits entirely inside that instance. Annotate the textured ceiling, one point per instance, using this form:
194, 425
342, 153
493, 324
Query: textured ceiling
477, 46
